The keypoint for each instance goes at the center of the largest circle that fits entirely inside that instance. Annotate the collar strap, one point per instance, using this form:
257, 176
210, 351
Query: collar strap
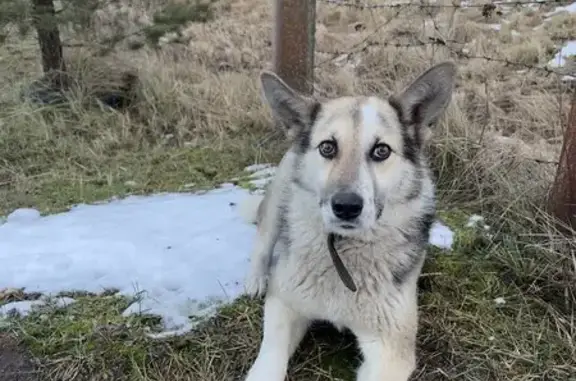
340, 267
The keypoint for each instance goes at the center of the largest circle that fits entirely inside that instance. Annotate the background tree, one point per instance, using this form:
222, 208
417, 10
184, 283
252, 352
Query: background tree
46, 24
97, 24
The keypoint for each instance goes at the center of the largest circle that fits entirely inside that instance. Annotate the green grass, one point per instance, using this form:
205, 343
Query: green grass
50, 162
63, 183
91, 338
465, 331
194, 126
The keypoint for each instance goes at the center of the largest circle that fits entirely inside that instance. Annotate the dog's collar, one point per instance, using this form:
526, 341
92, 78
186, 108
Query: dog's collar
340, 267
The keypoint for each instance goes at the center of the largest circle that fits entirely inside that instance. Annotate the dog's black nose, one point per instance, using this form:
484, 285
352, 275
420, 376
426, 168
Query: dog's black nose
347, 205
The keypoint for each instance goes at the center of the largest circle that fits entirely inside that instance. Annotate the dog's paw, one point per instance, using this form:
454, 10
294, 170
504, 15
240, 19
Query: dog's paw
256, 284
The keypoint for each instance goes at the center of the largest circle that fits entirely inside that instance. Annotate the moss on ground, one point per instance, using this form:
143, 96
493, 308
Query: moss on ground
60, 180
479, 308
176, 169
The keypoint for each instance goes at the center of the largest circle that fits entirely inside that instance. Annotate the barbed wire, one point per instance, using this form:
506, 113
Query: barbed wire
366, 39
435, 41
439, 40
425, 4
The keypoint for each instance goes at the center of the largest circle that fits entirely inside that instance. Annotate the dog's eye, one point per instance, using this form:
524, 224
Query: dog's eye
381, 152
328, 149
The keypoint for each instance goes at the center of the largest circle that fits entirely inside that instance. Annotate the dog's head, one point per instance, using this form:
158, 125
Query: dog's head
360, 155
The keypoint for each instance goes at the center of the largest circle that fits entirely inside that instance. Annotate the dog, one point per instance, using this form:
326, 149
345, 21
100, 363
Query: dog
342, 229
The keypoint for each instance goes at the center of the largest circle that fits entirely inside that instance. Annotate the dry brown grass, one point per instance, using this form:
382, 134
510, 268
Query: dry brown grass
199, 119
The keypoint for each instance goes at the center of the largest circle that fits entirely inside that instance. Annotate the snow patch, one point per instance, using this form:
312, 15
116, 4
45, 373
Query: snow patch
186, 252
568, 50
264, 172
257, 167
24, 307
183, 255
23, 215
441, 236
476, 220
499, 301
569, 8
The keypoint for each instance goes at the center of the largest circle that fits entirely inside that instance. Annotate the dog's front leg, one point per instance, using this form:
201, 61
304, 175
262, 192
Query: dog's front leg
283, 331
257, 280
389, 355
386, 359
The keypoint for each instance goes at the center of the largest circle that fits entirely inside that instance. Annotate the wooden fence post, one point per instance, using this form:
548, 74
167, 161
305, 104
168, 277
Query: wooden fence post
293, 44
563, 193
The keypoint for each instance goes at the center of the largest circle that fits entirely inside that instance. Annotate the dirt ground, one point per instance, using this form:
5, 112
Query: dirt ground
15, 363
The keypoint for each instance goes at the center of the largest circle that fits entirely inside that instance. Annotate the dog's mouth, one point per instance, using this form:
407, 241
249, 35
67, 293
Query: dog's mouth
346, 228
339, 265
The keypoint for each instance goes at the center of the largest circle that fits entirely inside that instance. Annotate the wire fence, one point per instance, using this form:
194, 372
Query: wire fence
428, 4
455, 46
295, 47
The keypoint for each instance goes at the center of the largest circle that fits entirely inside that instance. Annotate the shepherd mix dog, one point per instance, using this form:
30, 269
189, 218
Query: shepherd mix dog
343, 226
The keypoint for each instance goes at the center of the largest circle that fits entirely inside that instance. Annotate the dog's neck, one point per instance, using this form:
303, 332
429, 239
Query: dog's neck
332, 240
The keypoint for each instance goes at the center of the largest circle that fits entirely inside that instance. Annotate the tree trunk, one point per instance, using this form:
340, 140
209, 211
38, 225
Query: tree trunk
50, 44
563, 193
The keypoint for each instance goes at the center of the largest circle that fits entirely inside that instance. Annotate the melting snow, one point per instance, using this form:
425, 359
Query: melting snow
441, 236
183, 254
476, 220
500, 301
559, 60
569, 48
569, 8
24, 307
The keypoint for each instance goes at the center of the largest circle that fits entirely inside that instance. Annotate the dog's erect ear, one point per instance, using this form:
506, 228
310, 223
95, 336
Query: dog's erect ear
294, 111
423, 102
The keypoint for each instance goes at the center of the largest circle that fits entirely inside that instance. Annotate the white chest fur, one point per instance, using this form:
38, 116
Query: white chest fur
305, 276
